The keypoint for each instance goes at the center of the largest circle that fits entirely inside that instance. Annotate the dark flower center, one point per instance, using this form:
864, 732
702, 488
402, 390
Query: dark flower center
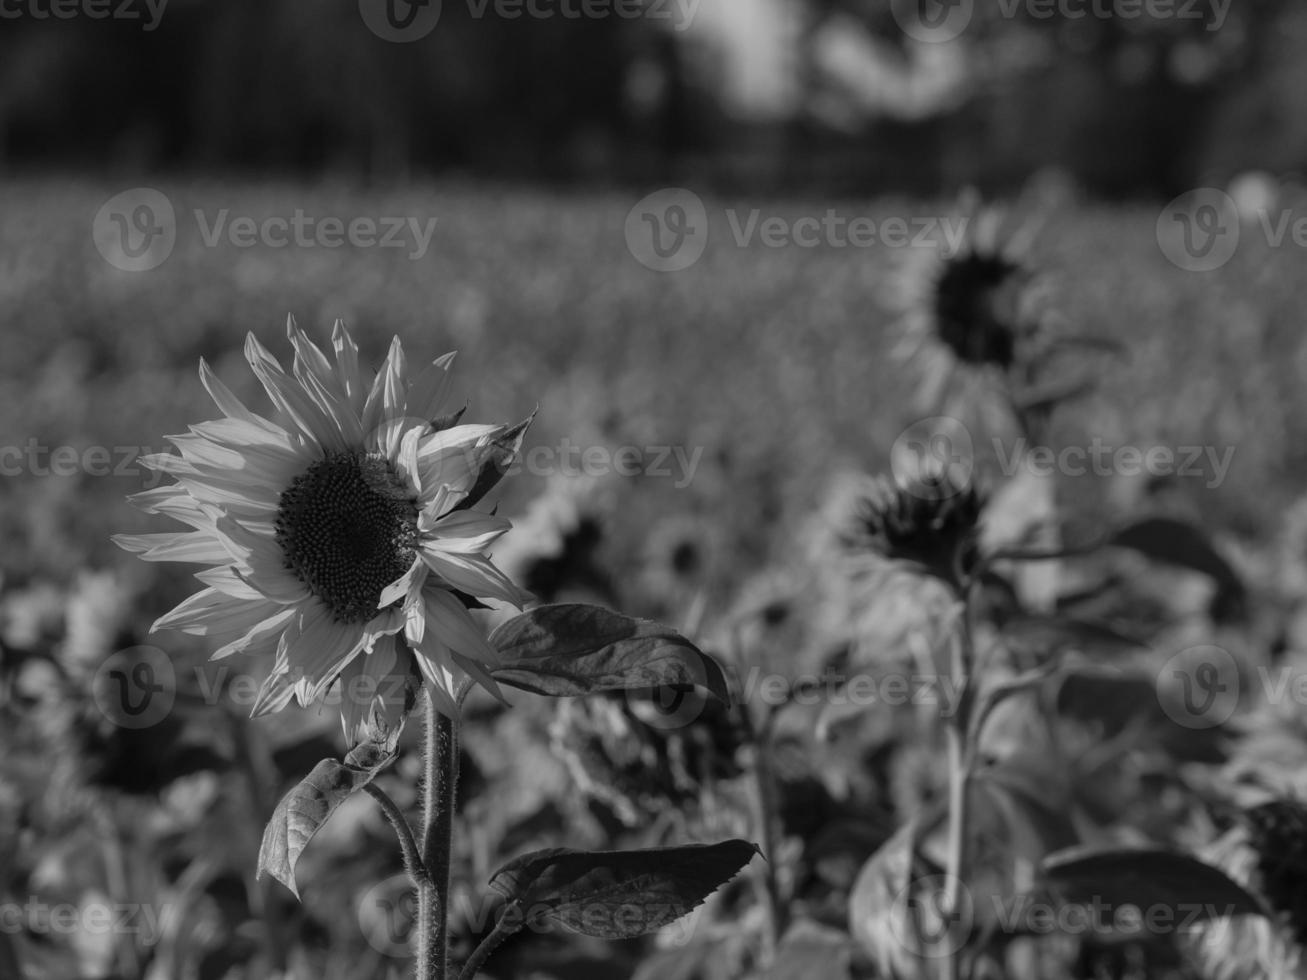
976, 308
348, 528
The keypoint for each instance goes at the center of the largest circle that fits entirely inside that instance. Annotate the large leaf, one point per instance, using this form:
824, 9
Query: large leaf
1179, 543
1177, 889
1045, 635
304, 810
574, 649
619, 894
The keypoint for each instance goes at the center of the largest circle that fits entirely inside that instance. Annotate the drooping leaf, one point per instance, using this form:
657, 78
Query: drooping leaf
506, 446
573, 649
1112, 699
1179, 543
619, 894
302, 812
1043, 636
1154, 881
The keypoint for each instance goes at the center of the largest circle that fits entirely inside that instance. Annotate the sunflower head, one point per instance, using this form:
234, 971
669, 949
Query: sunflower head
977, 313
1278, 835
340, 536
927, 520
976, 303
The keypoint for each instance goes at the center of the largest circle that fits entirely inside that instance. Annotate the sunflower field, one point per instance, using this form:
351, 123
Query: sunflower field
852, 588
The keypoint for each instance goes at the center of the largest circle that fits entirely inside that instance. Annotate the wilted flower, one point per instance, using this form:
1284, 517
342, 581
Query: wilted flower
927, 520
339, 539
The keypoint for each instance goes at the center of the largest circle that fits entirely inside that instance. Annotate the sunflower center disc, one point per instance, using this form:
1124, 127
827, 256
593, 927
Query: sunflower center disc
348, 527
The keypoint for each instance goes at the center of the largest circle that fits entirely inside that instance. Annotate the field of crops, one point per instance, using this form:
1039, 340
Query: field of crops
700, 457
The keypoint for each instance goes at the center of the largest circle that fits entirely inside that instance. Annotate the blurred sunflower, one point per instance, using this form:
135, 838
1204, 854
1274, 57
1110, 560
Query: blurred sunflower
927, 520
339, 539
979, 324
1264, 851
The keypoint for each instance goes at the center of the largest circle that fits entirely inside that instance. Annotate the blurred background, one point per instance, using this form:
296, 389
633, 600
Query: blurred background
780, 95
496, 177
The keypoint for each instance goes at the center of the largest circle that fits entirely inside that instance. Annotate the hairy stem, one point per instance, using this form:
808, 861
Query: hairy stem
432, 939
960, 758
408, 845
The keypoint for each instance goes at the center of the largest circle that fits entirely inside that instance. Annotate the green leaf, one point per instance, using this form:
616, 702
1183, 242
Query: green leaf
1149, 879
303, 811
573, 649
1045, 635
1179, 543
619, 894
504, 451
1110, 698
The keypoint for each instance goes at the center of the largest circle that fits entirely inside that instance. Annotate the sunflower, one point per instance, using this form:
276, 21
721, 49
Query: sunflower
972, 309
979, 327
926, 520
340, 539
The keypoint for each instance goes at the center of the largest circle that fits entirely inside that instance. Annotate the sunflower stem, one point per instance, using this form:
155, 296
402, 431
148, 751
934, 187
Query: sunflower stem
408, 844
961, 758
438, 795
